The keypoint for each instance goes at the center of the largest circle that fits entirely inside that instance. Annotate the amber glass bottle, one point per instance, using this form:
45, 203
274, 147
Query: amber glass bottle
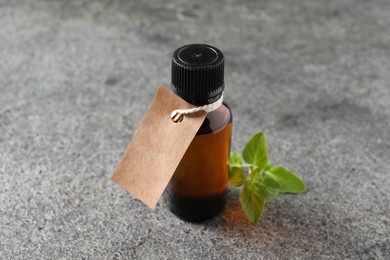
198, 188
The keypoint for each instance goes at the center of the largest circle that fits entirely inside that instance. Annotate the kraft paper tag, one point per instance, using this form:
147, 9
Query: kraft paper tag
157, 148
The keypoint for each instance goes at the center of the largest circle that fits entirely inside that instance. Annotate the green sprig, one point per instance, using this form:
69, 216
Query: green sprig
261, 181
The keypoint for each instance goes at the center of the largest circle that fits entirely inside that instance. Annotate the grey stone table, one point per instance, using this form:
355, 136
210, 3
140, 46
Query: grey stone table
77, 76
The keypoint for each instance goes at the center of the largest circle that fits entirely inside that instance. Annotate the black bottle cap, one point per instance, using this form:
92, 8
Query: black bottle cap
197, 72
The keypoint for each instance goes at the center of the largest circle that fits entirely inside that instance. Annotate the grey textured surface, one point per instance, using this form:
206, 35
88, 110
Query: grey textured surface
76, 78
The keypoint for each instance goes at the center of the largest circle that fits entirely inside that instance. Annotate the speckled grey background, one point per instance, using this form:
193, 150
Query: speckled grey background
77, 76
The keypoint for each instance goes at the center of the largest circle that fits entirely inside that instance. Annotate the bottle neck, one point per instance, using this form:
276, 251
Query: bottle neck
193, 100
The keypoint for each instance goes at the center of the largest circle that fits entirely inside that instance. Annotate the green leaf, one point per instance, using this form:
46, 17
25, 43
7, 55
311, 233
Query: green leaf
255, 151
254, 174
269, 182
237, 177
235, 160
251, 203
265, 186
288, 181
267, 166
265, 192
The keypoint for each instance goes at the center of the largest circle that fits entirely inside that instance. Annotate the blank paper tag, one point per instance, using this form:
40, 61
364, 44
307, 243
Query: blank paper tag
157, 148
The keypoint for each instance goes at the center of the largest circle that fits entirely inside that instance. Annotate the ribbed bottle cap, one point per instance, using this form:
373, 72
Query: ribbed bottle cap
197, 72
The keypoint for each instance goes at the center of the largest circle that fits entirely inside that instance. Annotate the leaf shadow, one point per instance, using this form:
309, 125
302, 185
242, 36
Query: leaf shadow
283, 217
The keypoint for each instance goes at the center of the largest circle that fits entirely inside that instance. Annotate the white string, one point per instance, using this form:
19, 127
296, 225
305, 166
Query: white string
207, 108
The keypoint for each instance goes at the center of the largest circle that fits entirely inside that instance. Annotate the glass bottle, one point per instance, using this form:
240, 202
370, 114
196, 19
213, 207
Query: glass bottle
198, 188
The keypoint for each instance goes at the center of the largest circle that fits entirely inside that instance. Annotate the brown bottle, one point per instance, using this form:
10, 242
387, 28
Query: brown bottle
198, 188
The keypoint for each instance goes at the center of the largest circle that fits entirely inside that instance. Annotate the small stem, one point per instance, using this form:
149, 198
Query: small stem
248, 165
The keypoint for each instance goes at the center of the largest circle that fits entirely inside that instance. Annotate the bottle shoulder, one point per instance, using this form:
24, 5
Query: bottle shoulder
216, 120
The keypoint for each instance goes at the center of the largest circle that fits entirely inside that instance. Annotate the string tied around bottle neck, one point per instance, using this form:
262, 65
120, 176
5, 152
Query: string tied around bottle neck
177, 115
